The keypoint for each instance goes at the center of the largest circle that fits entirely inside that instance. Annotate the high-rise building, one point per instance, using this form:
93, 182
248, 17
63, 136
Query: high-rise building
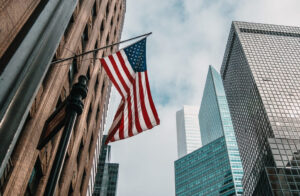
33, 34
260, 72
107, 174
188, 131
215, 168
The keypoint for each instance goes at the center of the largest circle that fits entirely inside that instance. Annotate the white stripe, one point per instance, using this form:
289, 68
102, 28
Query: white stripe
134, 75
131, 71
130, 86
116, 136
115, 122
139, 107
126, 120
134, 129
122, 72
115, 76
126, 134
147, 103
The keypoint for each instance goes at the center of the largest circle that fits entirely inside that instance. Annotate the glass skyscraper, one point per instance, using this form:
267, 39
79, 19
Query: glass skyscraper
188, 131
261, 72
215, 168
107, 173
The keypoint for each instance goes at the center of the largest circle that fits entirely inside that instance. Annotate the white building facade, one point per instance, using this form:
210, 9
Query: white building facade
188, 130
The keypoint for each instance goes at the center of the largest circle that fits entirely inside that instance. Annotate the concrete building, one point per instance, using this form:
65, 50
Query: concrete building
188, 131
260, 72
215, 168
34, 33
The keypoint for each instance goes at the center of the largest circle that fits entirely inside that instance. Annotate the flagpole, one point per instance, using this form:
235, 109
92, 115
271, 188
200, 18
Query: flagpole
97, 49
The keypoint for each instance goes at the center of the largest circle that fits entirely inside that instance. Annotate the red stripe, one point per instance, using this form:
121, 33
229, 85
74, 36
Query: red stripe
123, 64
131, 79
136, 115
151, 100
119, 110
110, 137
111, 76
129, 116
121, 128
113, 62
113, 132
144, 110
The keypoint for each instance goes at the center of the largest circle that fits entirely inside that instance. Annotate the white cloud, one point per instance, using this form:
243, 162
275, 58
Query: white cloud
187, 37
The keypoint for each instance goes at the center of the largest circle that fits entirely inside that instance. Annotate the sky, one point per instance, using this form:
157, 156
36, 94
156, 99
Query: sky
188, 36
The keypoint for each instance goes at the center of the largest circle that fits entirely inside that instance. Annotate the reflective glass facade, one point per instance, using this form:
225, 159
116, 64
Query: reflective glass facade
260, 72
188, 131
205, 171
215, 168
107, 173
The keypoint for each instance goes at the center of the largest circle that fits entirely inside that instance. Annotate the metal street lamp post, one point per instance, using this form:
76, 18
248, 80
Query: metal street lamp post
74, 108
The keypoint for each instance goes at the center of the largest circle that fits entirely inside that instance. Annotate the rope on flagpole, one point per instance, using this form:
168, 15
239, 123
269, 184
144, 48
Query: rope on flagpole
97, 49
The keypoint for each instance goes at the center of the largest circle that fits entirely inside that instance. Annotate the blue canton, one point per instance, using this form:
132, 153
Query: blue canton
136, 55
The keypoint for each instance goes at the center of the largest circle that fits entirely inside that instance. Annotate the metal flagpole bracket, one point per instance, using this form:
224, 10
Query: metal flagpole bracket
97, 49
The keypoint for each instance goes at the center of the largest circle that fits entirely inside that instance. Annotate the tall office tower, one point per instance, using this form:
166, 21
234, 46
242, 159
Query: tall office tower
34, 33
107, 174
188, 131
260, 72
215, 168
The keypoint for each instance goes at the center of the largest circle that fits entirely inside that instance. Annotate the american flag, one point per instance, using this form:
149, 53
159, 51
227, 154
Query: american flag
128, 72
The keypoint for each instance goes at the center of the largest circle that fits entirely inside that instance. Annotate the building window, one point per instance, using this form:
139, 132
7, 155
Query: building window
102, 88
91, 144
79, 153
107, 8
115, 32
70, 24
101, 27
88, 75
82, 181
58, 103
70, 190
94, 12
107, 40
96, 45
95, 52
88, 118
97, 114
34, 179
80, 2
85, 37
72, 71
96, 85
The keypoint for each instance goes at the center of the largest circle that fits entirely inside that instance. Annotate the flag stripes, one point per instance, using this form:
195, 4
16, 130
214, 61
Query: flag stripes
136, 112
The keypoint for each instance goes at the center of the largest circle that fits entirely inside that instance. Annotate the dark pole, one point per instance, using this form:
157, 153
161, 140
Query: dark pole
74, 108
97, 49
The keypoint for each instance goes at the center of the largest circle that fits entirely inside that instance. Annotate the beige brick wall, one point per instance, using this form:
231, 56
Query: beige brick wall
55, 87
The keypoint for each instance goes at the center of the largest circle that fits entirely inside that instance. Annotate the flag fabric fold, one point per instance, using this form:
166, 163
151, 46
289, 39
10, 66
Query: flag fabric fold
128, 72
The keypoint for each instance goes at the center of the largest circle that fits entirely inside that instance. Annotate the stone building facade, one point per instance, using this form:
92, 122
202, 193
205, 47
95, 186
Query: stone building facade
91, 24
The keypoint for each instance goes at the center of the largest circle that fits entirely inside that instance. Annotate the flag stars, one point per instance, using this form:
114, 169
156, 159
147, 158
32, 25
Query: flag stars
136, 55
